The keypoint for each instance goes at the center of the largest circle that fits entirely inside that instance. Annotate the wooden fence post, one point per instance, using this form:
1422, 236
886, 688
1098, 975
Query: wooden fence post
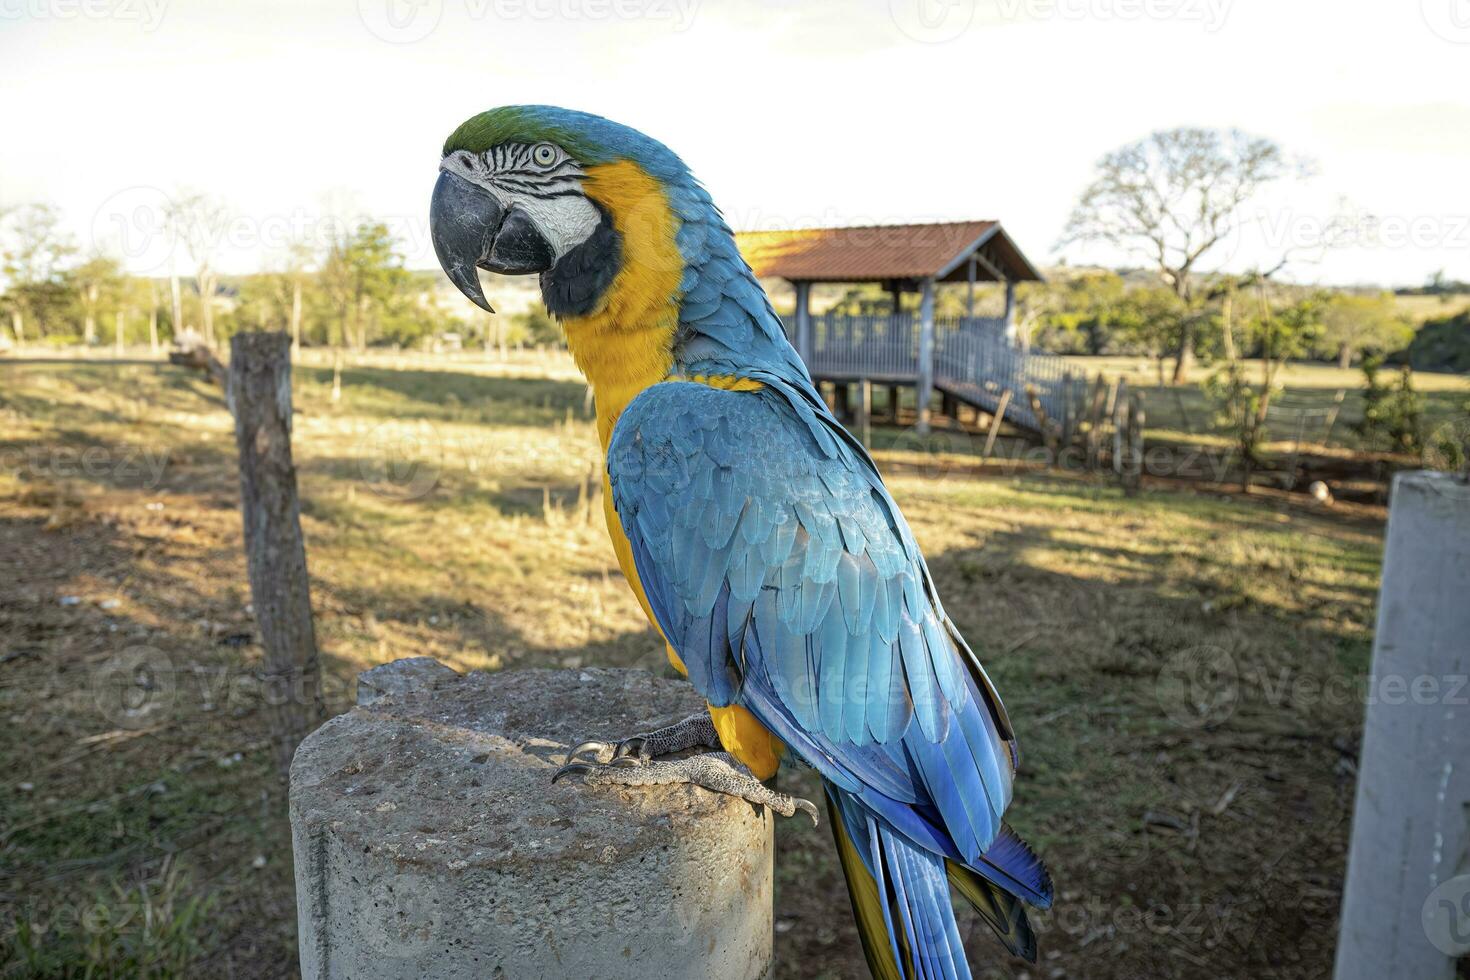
259, 395
865, 412
995, 421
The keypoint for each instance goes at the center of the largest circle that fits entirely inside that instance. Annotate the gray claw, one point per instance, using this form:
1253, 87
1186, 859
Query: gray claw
630, 747
807, 807
572, 767
592, 744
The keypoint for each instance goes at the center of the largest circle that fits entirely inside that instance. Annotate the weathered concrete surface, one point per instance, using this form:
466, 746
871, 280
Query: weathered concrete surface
429, 841
1406, 905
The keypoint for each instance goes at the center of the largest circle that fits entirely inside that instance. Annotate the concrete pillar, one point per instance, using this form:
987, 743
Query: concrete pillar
1406, 905
430, 842
926, 356
804, 322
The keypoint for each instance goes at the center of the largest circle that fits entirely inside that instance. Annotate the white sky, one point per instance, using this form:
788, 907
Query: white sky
792, 113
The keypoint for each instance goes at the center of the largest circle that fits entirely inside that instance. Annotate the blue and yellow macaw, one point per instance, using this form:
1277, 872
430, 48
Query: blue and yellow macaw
755, 531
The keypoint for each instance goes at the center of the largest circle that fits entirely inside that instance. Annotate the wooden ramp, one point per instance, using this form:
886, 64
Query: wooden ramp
973, 362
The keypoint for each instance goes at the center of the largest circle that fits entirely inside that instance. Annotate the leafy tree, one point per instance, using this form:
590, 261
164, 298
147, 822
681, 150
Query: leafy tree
97, 284
1171, 199
1392, 413
1150, 319
1352, 324
35, 252
1280, 330
1443, 344
364, 282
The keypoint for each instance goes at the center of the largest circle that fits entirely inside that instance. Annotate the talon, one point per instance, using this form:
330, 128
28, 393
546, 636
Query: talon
571, 767
808, 808
625, 762
632, 746
592, 744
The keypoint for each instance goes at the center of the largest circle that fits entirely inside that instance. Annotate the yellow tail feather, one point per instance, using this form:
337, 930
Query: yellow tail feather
867, 907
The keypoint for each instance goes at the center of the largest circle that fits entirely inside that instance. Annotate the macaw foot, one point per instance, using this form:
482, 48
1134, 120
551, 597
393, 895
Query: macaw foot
715, 771
695, 732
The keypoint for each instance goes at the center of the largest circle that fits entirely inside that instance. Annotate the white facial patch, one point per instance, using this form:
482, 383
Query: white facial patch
538, 179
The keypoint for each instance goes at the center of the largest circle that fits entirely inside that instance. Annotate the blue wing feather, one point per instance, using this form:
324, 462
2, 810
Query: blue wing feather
774, 559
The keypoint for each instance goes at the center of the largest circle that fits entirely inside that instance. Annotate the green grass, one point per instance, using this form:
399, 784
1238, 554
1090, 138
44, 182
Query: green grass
1160, 654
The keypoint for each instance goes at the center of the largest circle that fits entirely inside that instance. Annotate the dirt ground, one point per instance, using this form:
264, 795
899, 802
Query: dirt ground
1184, 668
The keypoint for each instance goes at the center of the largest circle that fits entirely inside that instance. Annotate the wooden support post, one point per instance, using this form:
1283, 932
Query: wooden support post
1010, 314
841, 408
970, 289
948, 407
1043, 424
865, 412
259, 395
926, 356
1133, 470
894, 393
1068, 416
1095, 421
804, 322
995, 421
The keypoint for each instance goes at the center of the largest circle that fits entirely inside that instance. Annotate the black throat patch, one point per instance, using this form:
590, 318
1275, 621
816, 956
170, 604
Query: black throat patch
574, 285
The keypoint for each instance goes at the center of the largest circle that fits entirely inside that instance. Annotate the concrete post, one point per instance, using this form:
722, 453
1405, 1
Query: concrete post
429, 841
925, 386
1406, 905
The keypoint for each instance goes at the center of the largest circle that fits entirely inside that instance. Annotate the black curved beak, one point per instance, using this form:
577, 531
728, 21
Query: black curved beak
472, 231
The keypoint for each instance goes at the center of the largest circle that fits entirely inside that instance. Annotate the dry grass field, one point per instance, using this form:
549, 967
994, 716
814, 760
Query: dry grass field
1184, 667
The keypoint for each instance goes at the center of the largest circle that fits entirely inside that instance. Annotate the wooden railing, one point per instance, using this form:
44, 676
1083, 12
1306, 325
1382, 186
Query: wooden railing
972, 359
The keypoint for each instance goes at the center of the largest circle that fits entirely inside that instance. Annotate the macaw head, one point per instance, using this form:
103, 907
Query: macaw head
567, 195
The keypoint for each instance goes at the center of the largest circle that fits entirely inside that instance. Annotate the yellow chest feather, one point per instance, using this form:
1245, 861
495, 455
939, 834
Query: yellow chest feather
625, 346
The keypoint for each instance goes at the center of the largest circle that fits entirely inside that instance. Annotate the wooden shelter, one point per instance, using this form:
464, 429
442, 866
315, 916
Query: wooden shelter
973, 359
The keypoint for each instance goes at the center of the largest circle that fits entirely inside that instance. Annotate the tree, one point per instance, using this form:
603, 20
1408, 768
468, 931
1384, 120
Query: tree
1281, 329
364, 279
35, 251
97, 284
1150, 319
1171, 199
1352, 324
199, 222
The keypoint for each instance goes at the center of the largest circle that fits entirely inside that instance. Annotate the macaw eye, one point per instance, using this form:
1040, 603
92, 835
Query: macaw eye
543, 154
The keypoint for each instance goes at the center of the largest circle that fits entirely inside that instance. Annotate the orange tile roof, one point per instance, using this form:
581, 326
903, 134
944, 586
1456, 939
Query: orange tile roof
865, 254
